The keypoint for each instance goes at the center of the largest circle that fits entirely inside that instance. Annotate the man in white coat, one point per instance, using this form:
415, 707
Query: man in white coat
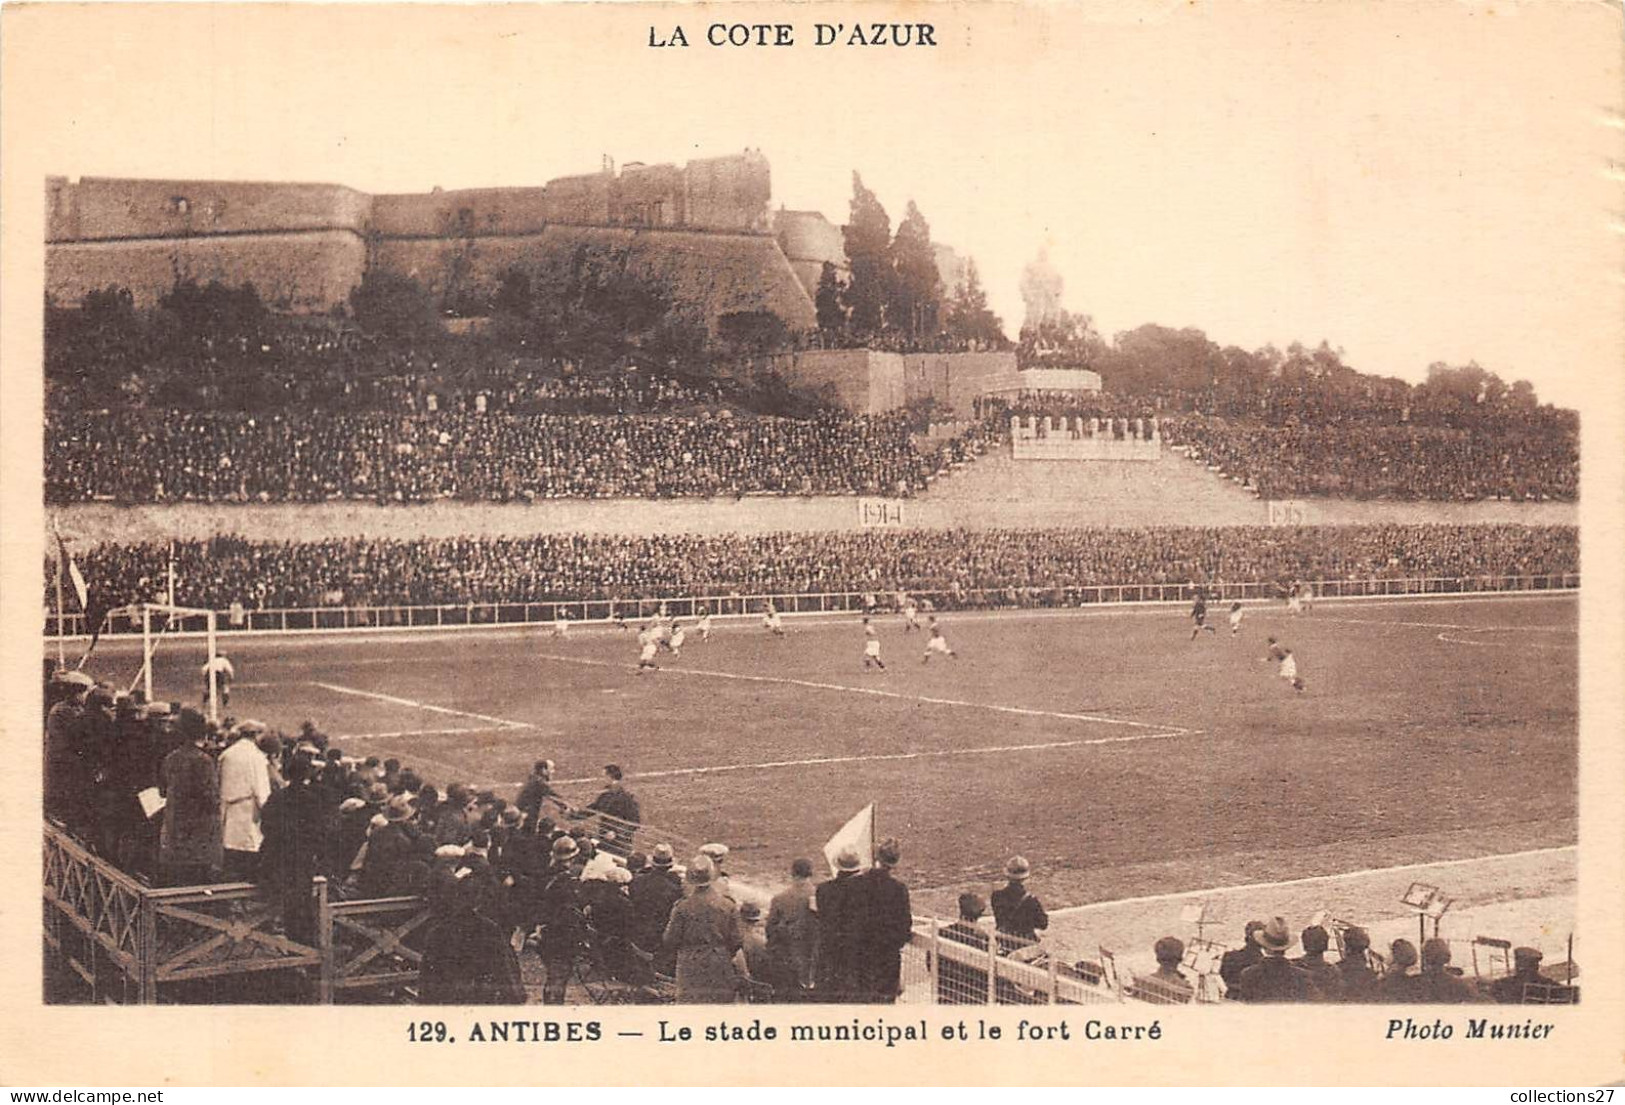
245, 785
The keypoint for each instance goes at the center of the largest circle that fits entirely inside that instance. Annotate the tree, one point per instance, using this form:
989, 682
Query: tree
968, 317
392, 305
916, 286
214, 311
752, 333
867, 236
831, 314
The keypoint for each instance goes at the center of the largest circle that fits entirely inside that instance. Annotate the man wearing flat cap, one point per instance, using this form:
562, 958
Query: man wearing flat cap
843, 915
66, 782
617, 810
537, 791
1017, 914
887, 929
1525, 972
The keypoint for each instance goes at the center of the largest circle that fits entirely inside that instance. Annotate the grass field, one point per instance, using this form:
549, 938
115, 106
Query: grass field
1117, 754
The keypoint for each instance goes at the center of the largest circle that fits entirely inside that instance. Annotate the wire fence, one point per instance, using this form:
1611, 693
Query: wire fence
237, 620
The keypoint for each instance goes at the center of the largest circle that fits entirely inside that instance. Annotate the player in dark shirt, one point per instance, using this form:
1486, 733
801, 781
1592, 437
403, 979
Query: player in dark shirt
1199, 615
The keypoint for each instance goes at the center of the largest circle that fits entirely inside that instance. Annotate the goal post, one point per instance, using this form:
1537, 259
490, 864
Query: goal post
171, 615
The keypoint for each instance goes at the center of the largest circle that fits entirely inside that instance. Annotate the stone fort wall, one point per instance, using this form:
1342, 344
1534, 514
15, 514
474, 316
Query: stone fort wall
304, 246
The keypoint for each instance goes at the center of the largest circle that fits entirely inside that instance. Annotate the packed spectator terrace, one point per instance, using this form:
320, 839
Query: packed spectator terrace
987, 567
144, 456
212, 399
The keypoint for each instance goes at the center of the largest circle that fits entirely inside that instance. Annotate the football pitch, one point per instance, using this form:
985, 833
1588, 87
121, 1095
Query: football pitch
1119, 755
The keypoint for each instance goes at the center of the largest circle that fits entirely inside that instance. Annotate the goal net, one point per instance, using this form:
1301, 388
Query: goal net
180, 660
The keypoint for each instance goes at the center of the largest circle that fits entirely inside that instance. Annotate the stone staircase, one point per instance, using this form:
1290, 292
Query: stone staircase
996, 490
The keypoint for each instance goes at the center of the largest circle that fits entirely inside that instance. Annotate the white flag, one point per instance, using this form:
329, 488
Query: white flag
857, 834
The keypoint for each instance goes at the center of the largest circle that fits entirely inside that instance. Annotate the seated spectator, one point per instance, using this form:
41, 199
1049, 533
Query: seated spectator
1327, 979
1398, 984
960, 982
1237, 960
1273, 978
1438, 984
1525, 972
1168, 986
1357, 981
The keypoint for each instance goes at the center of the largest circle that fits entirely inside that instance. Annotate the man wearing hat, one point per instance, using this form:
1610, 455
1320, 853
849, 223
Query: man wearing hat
1273, 978
792, 934
758, 963
467, 959
887, 929
66, 782
1237, 960
843, 916
558, 920
718, 855
1017, 914
245, 787
1525, 972
295, 826
653, 894
393, 851
1357, 981
958, 981
189, 841
703, 934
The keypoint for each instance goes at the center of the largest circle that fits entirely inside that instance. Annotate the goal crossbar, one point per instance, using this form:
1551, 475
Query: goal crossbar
149, 645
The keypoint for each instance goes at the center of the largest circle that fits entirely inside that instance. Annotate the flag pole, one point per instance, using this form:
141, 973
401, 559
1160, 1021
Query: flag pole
61, 566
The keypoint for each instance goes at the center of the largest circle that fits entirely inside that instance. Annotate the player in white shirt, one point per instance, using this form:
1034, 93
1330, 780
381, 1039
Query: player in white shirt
772, 622
678, 636
646, 656
911, 615
1235, 618
937, 644
561, 623
224, 673
1294, 599
703, 626
871, 648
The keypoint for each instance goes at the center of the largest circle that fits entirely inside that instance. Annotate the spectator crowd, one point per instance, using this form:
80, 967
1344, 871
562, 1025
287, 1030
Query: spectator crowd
1385, 461
572, 885
958, 568
138, 456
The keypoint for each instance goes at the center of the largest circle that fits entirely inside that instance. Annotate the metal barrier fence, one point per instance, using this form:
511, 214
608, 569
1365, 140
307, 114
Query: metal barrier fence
963, 964
338, 618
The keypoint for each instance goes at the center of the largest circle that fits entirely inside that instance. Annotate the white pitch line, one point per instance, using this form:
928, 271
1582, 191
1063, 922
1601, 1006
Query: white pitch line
1250, 886
875, 691
417, 733
878, 757
1448, 639
500, 723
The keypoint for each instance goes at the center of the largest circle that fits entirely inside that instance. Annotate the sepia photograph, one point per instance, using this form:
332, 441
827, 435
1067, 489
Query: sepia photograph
643, 508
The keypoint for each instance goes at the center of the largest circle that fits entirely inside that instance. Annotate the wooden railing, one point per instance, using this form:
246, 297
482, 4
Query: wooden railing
137, 944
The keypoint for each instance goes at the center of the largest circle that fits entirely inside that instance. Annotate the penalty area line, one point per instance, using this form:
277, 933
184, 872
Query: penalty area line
1023, 711
884, 757
496, 722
